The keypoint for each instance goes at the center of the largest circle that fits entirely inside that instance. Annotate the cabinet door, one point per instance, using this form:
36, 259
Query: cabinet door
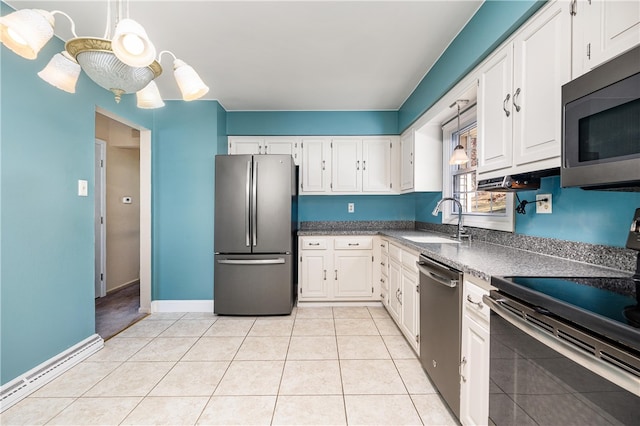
495, 122
314, 283
605, 29
315, 169
245, 145
542, 64
409, 306
352, 274
406, 160
282, 146
395, 278
474, 383
376, 165
346, 162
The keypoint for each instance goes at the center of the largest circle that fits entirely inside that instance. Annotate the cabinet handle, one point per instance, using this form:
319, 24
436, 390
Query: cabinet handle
382, 280
364, 164
504, 105
383, 264
462, 365
353, 244
314, 244
515, 96
323, 163
358, 165
478, 304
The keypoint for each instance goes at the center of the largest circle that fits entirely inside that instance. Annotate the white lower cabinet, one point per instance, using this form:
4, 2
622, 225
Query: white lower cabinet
474, 363
404, 300
336, 268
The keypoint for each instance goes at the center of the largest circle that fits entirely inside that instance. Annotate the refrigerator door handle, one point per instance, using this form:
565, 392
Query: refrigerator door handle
254, 205
247, 204
275, 261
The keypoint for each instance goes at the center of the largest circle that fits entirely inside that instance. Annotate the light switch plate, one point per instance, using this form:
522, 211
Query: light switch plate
83, 188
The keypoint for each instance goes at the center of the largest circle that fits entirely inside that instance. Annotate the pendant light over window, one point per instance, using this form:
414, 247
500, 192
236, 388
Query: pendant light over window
459, 155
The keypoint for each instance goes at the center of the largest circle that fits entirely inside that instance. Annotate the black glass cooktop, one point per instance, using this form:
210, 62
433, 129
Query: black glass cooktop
609, 307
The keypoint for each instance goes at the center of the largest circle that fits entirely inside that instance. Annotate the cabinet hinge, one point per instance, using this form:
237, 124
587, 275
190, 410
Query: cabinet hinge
372, 258
390, 144
371, 290
573, 9
301, 144
300, 290
417, 289
101, 277
331, 144
331, 185
101, 163
300, 258
588, 50
417, 338
390, 185
101, 220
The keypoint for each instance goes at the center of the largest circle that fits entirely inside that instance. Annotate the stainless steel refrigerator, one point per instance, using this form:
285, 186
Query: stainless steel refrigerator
254, 234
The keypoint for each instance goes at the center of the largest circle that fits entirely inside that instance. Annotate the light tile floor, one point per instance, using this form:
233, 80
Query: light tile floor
318, 366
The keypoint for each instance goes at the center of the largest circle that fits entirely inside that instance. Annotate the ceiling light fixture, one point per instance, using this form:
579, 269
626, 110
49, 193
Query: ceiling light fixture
459, 155
123, 64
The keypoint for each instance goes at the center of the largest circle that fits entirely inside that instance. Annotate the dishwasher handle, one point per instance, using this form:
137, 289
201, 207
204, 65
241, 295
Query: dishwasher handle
434, 276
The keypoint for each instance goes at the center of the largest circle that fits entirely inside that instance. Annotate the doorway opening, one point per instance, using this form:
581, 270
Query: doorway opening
122, 223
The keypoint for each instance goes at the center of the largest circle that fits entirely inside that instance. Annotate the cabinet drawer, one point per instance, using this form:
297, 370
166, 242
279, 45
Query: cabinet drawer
409, 261
473, 304
384, 264
353, 243
384, 246
313, 243
395, 252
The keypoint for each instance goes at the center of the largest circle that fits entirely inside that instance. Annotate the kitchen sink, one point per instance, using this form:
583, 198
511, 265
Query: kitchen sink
429, 239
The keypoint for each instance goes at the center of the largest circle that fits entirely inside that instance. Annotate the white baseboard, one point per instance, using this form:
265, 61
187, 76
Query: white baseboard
182, 306
24, 385
318, 304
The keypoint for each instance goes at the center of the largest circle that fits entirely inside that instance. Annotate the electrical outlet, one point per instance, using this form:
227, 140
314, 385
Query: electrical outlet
543, 207
351, 207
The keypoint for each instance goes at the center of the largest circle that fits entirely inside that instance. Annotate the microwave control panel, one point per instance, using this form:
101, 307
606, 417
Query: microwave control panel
633, 241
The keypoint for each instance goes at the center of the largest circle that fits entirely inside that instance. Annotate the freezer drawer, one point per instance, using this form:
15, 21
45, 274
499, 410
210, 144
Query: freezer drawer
253, 284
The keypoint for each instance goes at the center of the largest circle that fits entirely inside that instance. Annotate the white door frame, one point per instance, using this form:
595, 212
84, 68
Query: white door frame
145, 208
101, 237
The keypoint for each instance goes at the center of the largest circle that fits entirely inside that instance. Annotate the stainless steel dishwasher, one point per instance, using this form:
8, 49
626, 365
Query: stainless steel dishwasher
440, 308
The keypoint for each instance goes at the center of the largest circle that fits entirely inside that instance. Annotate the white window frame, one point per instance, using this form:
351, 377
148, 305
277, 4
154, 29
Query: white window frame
496, 221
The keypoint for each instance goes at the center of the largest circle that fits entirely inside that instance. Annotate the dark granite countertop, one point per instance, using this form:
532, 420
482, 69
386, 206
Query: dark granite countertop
484, 259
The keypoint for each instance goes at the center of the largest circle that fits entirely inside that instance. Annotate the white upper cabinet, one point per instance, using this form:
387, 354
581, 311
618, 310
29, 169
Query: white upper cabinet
406, 160
519, 96
265, 145
376, 164
346, 157
602, 30
315, 170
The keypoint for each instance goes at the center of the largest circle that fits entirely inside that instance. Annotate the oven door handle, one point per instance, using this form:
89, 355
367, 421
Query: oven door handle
599, 358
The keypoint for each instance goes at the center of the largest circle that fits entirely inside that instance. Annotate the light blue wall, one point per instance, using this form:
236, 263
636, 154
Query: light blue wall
294, 123
425, 203
47, 237
184, 147
367, 207
490, 26
597, 217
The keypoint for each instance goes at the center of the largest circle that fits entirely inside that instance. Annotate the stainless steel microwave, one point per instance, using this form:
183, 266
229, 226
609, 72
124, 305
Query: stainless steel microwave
601, 126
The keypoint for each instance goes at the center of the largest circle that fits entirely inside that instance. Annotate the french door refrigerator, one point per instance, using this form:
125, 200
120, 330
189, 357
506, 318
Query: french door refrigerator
254, 234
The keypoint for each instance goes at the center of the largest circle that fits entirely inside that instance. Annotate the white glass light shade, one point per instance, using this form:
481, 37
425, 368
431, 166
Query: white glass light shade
132, 45
26, 31
191, 85
149, 97
62, 72
459, 156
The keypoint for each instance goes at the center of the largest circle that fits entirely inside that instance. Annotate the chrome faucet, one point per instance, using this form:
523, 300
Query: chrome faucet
461, 231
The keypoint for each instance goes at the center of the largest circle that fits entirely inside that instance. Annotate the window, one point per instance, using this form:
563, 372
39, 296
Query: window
492, 210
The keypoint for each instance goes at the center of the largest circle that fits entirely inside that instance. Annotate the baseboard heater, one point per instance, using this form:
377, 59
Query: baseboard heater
21, 387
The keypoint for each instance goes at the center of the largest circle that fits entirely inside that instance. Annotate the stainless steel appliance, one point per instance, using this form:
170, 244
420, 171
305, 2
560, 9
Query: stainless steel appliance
254, 234
440, 322
566, 350
601, 126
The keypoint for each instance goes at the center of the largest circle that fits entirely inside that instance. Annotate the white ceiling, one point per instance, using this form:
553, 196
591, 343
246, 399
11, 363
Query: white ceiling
289, 55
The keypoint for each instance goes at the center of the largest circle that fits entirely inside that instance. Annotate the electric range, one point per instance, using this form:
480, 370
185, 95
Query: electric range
609, 307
